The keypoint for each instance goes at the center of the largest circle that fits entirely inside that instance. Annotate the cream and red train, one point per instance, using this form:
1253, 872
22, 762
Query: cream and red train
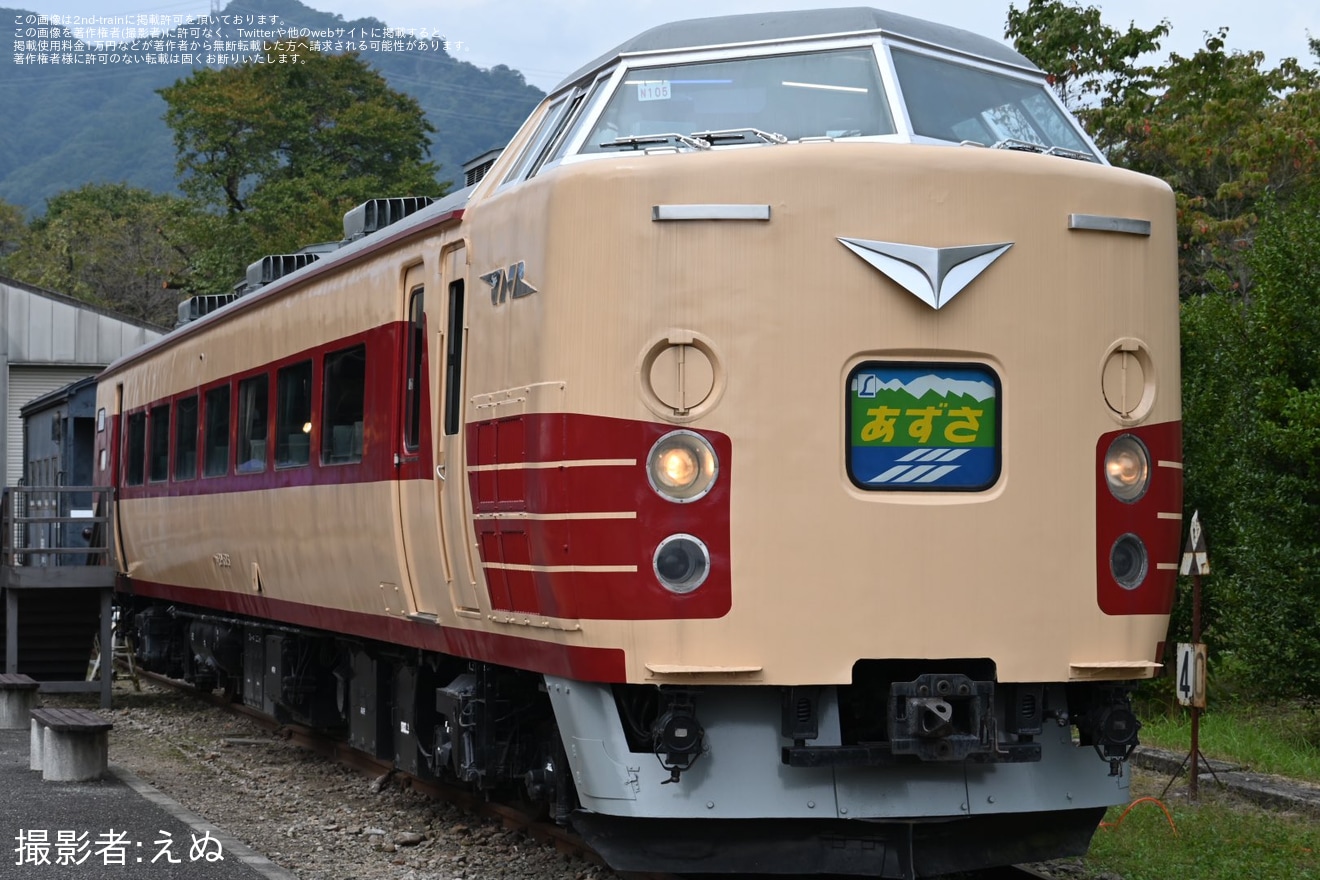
773, 461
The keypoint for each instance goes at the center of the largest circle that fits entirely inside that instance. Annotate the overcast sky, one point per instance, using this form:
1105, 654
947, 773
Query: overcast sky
548, 40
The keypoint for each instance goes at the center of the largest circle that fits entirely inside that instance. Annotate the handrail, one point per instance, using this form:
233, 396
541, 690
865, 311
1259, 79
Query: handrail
42, 526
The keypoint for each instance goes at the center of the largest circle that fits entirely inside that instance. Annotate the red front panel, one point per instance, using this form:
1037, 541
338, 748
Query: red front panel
1155, 518
556, 511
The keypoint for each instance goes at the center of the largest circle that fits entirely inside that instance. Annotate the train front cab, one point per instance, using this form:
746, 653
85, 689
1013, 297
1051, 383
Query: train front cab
969, 705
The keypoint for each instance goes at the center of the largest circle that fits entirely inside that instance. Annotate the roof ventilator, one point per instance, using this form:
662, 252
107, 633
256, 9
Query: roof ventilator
375, 214
195, 307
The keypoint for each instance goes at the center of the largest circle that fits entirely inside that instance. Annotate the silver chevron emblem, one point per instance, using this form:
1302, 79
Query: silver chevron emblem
934, 275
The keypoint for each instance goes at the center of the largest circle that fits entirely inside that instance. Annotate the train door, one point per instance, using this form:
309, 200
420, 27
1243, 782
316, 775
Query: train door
418, 521
451, 484
115, 446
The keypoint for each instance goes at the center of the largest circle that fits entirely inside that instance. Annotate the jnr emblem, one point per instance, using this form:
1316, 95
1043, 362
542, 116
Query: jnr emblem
508, 283
933, 275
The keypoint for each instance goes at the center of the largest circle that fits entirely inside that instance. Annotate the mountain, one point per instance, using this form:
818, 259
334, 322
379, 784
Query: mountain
942, 387
72, 122
931, 385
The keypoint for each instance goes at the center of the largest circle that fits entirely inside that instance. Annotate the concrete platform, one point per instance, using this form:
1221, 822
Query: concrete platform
1274, 792
118, 817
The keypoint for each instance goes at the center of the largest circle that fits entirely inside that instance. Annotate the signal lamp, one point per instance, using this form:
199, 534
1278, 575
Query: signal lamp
681, 563
682, 466
1128, 561
1127, 468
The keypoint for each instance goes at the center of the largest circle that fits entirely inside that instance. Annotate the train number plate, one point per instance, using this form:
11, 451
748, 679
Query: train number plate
653, 90
922, 426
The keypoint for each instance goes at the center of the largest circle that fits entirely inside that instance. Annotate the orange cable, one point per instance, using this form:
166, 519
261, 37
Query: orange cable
1156, 801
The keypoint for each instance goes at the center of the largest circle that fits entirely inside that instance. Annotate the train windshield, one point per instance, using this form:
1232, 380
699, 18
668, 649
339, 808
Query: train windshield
960, 103
831, 94
823, 94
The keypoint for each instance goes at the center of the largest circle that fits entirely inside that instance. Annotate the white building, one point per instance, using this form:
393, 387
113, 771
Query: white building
48, 340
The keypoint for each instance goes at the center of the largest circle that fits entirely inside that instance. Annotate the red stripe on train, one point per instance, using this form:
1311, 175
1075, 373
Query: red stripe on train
517, 542
1161, 535
382, 417
569, 661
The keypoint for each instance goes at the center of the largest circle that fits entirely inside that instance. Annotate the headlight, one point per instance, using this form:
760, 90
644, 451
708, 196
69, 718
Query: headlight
1127, 468
682, 466
1127, 562
681, 563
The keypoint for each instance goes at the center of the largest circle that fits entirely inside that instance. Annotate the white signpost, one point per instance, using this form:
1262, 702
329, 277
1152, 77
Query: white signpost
1191, 675
1190, 683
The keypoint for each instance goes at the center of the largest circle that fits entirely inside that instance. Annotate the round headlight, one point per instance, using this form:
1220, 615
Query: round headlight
681, 563
682, 466
1127, 468
1127, 562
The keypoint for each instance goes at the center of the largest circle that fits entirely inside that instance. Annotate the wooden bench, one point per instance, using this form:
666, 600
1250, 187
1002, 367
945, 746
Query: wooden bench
69, 745
18, 697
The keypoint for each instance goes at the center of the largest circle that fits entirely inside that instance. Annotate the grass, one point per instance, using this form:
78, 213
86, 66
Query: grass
1220, 837
1216, 839
1266, 739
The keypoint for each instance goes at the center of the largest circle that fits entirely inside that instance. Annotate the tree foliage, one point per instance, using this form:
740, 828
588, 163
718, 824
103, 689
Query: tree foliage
281, 150
109, 244
1238, 143
1088, 62
1223, 130
12, 225
1252, 444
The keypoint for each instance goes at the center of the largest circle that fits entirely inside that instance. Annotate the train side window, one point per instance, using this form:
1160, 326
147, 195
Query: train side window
134, 473
535, 146
574, 127
216, 461
558, 135
160, 443
341, 408
454, 360
293, 415
185, 438
253, 411
412, 404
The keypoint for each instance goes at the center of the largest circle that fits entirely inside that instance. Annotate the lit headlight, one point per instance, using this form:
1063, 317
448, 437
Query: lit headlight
682, 466
1127, 468
681, 563
1127, 562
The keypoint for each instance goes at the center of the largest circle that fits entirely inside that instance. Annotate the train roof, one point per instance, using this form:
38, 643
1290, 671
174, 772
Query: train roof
441, 210
765, 27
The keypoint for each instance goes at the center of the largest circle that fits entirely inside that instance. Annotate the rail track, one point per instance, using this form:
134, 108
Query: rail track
510, 815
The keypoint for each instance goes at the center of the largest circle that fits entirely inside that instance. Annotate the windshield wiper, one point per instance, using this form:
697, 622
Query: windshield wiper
641, 141
741, 134
1030, 147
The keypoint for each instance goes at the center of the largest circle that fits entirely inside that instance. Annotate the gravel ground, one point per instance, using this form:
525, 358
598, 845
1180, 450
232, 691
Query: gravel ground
323, 821
315, 818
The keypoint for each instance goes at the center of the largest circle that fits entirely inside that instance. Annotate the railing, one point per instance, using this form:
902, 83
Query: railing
43, 526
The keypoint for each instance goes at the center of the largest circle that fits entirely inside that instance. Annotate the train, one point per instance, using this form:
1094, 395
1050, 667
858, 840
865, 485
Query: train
770, 463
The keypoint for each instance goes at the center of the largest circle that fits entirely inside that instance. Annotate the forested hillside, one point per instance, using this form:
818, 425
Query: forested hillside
71, 124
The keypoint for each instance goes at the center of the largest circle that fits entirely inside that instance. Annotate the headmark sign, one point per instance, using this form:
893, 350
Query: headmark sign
923, 426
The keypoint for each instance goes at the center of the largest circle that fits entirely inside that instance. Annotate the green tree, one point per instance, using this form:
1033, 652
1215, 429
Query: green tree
1222, 130
1252, 444
109, 244
1089, 63
281, 150
12, 225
